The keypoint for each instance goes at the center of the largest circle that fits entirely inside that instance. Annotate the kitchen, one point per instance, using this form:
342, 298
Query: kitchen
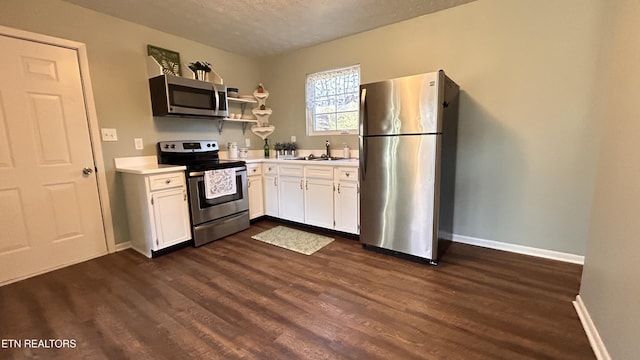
526, 168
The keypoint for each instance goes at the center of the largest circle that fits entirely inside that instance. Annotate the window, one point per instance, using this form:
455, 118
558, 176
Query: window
333, 101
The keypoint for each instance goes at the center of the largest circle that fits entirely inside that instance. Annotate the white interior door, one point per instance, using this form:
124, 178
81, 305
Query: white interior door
50, 213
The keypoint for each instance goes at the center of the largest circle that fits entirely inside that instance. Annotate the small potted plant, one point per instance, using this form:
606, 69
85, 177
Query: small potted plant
200, 69
279, 148
290, 148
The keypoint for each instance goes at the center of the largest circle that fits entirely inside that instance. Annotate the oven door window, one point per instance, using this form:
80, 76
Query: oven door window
191, 97
205, 203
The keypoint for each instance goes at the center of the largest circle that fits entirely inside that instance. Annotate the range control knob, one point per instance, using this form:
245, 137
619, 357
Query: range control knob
166, 146
208, 145
173, 146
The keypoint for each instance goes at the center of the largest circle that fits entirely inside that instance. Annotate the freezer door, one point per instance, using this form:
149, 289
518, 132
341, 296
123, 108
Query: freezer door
406, 105
399, 193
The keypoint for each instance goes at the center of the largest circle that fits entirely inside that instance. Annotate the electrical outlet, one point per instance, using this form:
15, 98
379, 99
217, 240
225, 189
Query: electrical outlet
109, 134
138, 143
247, 142
293, 138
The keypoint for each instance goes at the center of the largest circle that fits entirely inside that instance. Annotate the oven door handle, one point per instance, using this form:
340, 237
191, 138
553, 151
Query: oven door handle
201, 173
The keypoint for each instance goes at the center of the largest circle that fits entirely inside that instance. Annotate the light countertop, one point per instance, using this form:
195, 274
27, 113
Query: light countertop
144, 165
341, 162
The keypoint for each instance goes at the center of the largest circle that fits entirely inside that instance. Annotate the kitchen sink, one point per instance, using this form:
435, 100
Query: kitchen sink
326, 158
332, 158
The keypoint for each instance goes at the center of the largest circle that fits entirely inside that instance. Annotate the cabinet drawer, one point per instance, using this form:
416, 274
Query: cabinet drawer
270, 169
290, 170
347, 173
254, 169
166, 181
318, 172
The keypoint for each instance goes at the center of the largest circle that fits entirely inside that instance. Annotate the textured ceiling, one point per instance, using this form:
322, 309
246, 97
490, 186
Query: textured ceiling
265, 27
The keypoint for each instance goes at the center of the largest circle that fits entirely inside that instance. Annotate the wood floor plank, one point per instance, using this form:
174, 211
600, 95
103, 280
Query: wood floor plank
238, 298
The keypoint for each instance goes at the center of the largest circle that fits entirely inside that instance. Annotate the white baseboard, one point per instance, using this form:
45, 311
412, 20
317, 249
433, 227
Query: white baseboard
520, 249
590, 329
123, 246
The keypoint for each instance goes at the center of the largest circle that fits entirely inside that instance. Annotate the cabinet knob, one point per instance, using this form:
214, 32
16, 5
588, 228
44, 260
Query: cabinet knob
347, 174
254, 170
168, 181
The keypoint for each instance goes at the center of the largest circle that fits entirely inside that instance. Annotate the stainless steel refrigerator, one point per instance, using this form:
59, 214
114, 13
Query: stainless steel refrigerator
408, 129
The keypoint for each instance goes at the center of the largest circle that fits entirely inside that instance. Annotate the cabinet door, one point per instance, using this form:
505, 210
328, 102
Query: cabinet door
291, 198
347, 199
271, 195
171, 217
318, 202
256, 204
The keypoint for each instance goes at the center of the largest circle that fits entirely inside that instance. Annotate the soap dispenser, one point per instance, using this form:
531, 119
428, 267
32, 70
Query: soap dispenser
345, 152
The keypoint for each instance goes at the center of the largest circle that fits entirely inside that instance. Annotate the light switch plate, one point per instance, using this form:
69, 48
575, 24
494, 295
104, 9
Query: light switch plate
109, 134
247, 142
293, 138
139, 144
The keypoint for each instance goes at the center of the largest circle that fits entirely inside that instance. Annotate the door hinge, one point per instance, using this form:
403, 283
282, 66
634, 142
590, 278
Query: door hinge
157, 242
151, 201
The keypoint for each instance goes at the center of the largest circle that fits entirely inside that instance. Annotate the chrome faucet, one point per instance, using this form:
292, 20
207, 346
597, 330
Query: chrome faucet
326, 145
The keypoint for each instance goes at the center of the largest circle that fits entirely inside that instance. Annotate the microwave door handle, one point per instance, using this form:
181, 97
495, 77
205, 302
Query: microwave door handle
216, 107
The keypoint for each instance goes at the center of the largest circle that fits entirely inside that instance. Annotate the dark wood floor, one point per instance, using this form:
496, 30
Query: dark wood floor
240, 298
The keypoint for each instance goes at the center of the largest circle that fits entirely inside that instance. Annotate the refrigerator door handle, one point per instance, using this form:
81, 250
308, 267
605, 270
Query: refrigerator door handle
363, 125
363, 116
363, 158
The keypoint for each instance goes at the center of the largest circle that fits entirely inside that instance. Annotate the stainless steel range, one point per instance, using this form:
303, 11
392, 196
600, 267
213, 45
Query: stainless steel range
211, 217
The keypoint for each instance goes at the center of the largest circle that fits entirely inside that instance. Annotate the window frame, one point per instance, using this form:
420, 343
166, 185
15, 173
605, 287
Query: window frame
309, 110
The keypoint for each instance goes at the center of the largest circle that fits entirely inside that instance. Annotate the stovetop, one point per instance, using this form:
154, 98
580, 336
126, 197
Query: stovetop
196, 155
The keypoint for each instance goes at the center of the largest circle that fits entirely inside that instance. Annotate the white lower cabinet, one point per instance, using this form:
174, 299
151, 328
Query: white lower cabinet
347, 200
318, 196
255, 189
290, 192
270, 187
158, 211
170, 218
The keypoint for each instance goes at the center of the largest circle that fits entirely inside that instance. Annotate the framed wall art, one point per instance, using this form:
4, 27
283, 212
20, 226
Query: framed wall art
169, 60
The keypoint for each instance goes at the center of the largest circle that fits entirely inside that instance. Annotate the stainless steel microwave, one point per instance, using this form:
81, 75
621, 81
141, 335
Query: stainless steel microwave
178, 96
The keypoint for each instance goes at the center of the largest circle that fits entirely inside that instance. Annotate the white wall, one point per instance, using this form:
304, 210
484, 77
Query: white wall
526, 139
611, 273
117, 52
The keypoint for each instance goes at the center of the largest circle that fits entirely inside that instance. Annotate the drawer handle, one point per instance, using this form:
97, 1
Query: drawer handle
347, 174
168, 181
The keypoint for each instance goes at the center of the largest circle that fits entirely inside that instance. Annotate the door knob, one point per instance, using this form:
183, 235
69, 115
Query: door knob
87, 171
